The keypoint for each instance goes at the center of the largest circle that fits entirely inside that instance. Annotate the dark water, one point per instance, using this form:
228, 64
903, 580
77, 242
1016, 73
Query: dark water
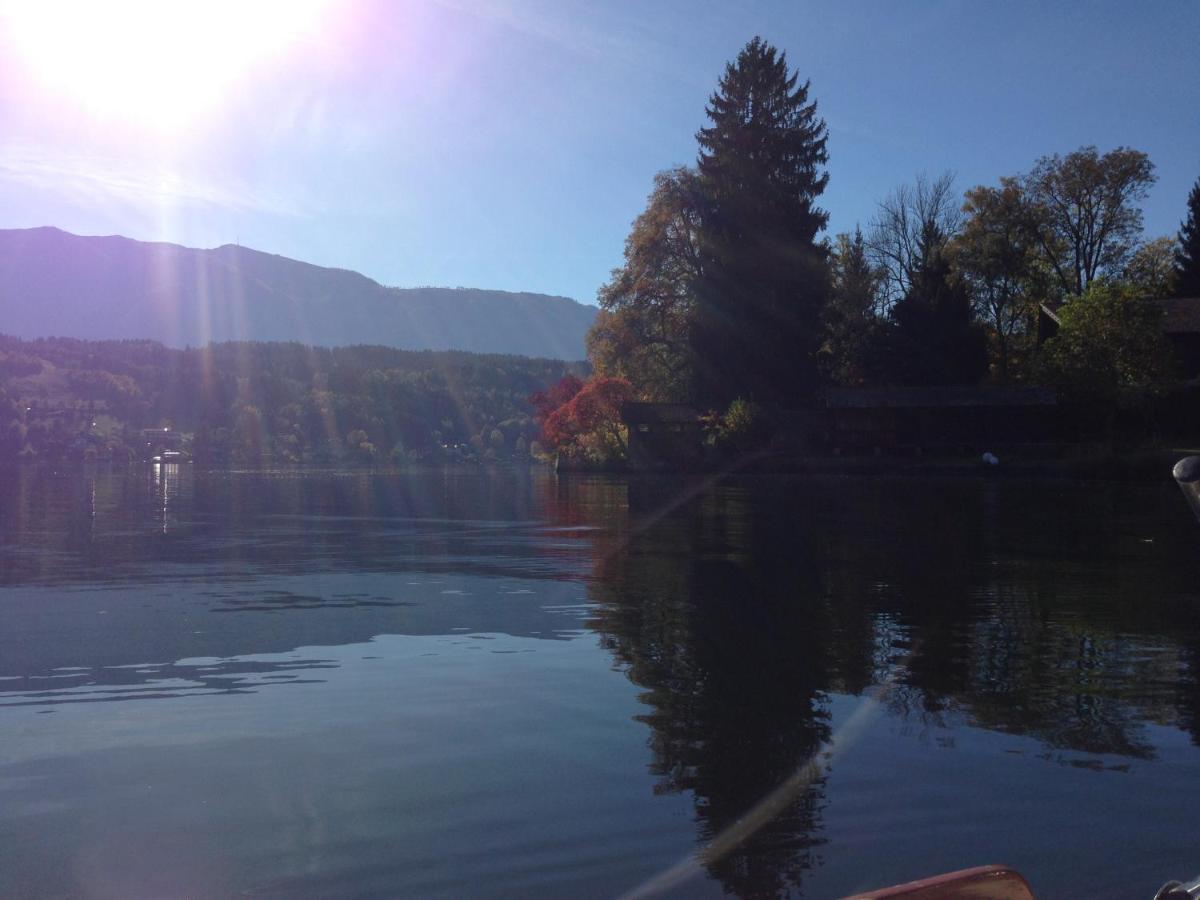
451, 683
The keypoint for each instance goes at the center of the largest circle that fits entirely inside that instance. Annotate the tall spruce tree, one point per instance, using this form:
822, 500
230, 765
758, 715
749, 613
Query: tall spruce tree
934, 339
763, 276
1187, 255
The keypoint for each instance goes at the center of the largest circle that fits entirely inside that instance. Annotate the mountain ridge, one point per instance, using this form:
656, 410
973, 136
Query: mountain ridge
55, 283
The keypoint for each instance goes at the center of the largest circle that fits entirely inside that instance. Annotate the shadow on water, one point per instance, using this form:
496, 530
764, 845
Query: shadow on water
1064, 613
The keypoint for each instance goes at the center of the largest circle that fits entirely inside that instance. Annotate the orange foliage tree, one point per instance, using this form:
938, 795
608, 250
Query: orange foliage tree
587, 424
547, 401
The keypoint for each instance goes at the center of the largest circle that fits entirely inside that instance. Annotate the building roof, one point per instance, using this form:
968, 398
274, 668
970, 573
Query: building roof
659, 414
937, 397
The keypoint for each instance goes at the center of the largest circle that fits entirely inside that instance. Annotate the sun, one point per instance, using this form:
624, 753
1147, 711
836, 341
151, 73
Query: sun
159, 63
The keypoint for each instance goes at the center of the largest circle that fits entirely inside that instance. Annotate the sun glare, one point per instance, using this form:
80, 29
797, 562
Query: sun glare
159, 63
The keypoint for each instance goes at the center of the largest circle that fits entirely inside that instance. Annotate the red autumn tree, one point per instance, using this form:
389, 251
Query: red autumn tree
589, 425
557, 395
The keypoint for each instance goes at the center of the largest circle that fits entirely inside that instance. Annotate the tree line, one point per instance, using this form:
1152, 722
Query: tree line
253, 403
729, 298
729, 292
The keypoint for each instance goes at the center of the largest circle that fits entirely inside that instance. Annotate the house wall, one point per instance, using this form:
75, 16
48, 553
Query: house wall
665, 446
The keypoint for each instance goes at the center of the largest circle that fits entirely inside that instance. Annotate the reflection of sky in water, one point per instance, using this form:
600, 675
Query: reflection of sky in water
355, 782
168, 521
358, 782
168, 640
346, 684
425, 669
215, 676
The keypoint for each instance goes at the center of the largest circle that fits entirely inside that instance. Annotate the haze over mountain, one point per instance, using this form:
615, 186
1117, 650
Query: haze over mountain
53, 283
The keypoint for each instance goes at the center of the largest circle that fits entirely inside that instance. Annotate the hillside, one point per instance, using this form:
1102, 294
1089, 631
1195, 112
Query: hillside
53, 283
256, 403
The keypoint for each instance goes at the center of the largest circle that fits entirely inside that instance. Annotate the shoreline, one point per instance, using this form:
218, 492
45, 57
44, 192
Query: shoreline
1136, 465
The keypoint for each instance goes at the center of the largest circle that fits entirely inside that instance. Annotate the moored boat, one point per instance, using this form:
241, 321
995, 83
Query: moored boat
1187, 476
981, 883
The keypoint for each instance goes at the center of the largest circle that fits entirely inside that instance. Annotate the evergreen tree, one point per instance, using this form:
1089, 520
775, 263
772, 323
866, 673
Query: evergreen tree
934, 340
851, 321
910, 223
1187, 255
763, 278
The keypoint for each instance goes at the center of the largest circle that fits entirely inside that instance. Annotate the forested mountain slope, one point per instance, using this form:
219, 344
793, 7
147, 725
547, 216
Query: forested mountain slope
55, 284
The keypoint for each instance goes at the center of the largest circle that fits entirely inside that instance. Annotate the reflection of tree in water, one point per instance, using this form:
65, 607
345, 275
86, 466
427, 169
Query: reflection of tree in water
1035, 610
1072, 684
734, 668
1187, 690
1065, 618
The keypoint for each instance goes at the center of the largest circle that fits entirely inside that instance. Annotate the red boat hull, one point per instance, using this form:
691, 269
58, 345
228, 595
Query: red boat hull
982, 883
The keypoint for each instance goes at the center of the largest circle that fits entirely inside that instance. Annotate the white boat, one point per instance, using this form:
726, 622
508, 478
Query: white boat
1187, 476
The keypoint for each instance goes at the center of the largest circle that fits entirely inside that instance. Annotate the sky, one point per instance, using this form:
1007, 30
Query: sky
509, 144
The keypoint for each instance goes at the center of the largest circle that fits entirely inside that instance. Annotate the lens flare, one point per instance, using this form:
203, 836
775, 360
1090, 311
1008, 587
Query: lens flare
158, 63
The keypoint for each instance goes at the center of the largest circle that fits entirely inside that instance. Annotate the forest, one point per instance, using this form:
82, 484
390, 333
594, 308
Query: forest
731, 299
256, 403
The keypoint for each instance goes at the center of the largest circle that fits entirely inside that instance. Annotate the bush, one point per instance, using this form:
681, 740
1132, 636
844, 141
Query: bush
1109, 343
743, 426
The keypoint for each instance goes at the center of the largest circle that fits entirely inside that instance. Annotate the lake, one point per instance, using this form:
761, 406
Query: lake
470, 683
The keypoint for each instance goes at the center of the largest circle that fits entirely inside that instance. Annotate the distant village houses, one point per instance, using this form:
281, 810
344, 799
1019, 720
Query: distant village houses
156, 441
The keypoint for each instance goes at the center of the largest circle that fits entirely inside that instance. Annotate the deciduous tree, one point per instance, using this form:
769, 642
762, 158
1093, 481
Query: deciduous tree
1085, 211
1151, 268
912, 223
997, 254
641, 331
589, 425
558, 394
1109, 341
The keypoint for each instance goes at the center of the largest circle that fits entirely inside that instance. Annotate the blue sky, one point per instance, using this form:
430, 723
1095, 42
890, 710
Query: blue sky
509, 143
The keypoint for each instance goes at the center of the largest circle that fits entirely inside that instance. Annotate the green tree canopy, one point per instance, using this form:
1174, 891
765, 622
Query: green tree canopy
1151, 267
1109, 341
641, 332
763, 277
997, 255
1085, 211
271, 402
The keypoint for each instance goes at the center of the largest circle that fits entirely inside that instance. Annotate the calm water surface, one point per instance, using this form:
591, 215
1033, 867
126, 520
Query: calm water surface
450, 683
